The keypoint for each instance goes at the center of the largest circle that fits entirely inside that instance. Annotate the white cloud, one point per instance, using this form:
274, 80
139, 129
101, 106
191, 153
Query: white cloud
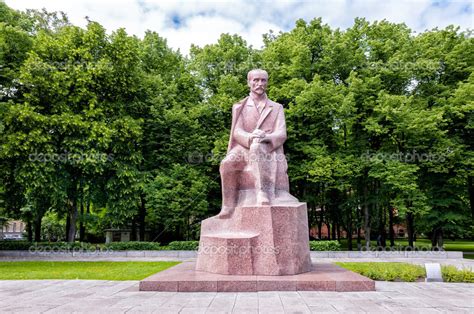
202, 22
200, 30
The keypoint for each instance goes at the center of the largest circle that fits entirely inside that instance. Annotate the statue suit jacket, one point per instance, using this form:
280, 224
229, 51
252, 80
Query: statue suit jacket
246, 118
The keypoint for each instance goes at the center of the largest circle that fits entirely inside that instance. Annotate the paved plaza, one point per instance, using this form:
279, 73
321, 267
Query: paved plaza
96, 296
93, 296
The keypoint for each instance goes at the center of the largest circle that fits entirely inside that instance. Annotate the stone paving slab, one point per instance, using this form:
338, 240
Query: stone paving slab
323, 277
94, 296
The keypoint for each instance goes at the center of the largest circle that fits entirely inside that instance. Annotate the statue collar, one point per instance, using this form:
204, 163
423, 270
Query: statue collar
252, 103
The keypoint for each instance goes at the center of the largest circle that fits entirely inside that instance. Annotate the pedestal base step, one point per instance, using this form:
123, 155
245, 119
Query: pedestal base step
322, 277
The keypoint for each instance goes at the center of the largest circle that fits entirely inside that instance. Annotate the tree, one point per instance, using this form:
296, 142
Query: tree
177, 200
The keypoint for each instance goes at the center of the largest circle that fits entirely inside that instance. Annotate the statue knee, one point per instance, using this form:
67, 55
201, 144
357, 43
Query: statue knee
223, 166
227, 164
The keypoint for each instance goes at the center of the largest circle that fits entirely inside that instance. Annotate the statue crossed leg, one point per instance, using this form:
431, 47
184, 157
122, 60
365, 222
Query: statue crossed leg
235, 162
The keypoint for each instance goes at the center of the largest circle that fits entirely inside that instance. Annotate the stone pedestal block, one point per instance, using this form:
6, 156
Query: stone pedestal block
256, 240
227, 253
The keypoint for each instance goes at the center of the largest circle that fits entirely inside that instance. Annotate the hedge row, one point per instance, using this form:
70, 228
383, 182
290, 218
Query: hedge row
25, 245
136, 246
324, 245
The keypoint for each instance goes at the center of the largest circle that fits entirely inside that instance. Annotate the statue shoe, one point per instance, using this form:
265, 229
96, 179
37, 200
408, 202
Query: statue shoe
262, 198
226, 212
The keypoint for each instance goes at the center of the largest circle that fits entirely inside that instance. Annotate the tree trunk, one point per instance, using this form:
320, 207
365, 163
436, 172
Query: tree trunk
338, 232
88, 212
410, 230
320, 222
383, 236
349, 230
329, 230
434, 239
71, 237
82, 227
29, 230
366, 219
68, 225
440, 239
391, 233
133, 233
437, 239
359, 239
141, 217
38, 227
334, 229
470, 188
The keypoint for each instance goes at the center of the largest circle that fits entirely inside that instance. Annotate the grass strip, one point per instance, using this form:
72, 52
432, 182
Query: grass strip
81, 270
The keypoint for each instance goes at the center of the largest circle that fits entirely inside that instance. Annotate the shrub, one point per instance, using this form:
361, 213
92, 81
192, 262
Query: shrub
387, 271
134, 246
64, 245
14, 245
324, 245
183, 245
45, 246
116, 246
52, 227
452, 274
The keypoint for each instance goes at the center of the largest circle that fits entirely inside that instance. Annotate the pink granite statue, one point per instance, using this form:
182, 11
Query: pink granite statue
261, 229
254, 170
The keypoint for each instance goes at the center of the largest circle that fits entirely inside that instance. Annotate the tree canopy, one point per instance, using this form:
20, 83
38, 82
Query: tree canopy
111, 130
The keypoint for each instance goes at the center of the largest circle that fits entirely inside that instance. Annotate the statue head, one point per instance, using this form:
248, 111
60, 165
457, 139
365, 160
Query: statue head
257, 80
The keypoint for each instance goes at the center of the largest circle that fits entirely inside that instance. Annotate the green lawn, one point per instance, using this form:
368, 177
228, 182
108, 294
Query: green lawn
81, 270
449, 245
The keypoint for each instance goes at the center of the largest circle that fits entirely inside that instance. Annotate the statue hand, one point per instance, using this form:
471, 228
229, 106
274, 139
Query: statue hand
257, 136
258, 133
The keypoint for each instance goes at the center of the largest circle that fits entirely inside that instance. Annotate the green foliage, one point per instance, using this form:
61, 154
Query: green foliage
387, 271
177, 199
452, 274
183, 245
105, 130
7, 245
52, 228
423, 244
113, 246
324, 245
45, 246
133, 246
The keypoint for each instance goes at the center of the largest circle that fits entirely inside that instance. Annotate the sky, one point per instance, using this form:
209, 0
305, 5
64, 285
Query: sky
184, 23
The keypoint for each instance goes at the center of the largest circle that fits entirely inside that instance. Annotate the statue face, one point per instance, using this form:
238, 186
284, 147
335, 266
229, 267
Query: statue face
258, 82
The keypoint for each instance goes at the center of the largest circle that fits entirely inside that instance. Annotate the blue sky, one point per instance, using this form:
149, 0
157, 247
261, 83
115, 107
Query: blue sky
201, 22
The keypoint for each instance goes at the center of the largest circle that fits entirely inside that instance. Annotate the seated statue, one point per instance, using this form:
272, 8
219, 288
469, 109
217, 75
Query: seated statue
254, 171
261, 229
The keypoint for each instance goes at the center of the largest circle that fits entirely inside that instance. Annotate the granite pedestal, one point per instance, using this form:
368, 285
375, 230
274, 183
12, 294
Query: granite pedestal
256, 240
322, 277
